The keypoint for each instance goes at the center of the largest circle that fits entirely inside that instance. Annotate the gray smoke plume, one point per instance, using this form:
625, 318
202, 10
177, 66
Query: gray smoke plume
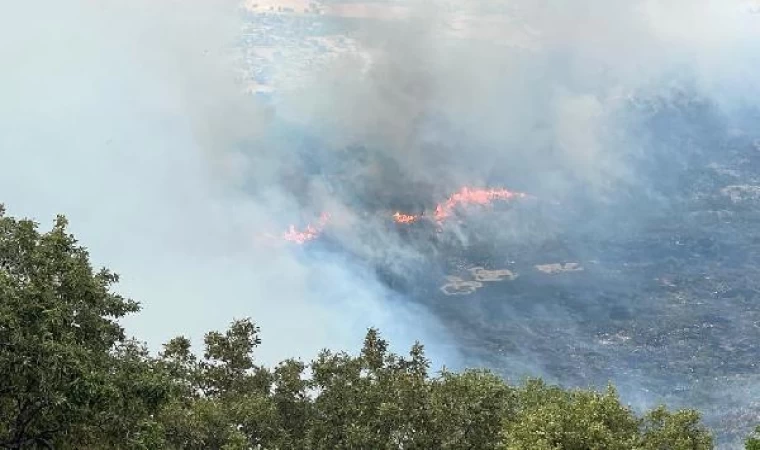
126, 116
623, 121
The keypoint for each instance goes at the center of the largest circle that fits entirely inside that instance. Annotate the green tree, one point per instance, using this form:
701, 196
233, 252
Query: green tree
376, 400
137, 390
469, 410
550, 418
58, 334
680, 430
753, 441
70, 379
224, 398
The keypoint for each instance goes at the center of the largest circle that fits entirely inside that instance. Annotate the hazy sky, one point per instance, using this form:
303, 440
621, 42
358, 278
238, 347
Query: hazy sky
123, 116
111, 113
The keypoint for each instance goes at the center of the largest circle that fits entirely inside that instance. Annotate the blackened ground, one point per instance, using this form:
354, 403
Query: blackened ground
667, 305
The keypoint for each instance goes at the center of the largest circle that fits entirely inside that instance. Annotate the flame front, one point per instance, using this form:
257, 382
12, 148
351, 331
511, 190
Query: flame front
309, 233
404, 218
469, 196
443, 211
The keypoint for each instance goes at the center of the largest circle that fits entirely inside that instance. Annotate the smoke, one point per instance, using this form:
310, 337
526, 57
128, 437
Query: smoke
130, 117
127, 116
608, 113
454, 96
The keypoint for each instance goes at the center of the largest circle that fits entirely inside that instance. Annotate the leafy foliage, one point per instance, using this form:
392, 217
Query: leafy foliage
753, 441
70, 379
58, 331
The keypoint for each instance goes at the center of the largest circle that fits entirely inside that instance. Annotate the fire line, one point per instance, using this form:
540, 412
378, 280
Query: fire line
442, 212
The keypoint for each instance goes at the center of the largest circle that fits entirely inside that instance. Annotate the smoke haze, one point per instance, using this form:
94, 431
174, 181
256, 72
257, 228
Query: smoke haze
125, 116
130, 118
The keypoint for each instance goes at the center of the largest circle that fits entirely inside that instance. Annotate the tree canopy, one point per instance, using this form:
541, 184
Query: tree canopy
71, 379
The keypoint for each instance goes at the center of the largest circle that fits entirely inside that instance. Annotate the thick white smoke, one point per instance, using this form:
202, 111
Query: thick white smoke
127, 116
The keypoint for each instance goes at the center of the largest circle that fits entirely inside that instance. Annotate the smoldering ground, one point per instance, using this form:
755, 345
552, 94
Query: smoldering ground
626, 123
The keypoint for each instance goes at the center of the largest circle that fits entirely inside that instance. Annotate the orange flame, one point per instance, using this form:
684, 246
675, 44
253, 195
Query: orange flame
443, 211
472, 196
309, 233
404, 218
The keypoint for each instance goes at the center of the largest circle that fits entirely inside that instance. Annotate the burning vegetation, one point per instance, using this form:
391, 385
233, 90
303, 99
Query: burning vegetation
443, 211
